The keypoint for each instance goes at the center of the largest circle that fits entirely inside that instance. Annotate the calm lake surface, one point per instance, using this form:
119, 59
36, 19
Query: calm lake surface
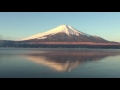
59, 63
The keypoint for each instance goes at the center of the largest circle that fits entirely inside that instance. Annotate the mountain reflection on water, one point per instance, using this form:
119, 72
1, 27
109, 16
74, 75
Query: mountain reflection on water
65, 61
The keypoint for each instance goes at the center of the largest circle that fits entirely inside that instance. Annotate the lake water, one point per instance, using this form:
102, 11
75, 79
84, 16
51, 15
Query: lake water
59, 63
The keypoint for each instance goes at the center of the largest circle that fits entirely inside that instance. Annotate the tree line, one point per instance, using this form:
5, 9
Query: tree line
25, 45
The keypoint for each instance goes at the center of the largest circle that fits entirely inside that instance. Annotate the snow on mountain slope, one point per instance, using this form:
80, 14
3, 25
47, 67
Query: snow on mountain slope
62, 28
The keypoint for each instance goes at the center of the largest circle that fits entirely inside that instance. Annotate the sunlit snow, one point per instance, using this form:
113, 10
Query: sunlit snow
62, 28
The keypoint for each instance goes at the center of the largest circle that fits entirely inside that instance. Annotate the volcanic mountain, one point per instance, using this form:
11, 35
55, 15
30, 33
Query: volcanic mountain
63, 34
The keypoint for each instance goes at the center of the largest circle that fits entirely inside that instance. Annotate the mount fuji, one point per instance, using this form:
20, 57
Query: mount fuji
63, 33
63, 36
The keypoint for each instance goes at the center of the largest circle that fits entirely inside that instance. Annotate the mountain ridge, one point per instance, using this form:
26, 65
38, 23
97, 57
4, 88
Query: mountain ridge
62, 28
64, 33
63, 36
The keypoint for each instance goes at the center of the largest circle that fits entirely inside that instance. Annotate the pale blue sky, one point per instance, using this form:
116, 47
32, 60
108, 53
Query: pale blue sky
17, 25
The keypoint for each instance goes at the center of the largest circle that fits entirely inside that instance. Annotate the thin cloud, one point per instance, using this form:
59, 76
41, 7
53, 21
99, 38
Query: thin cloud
1, 37
7, 37
10, 38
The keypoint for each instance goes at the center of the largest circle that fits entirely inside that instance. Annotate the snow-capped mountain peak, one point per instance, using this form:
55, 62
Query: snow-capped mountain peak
60, 29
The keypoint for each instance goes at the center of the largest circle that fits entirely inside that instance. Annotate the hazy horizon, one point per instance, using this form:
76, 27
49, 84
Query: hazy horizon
18, 25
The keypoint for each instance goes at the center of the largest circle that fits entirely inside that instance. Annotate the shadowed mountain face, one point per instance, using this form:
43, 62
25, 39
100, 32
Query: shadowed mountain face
63, 37
64, 33
64, 61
